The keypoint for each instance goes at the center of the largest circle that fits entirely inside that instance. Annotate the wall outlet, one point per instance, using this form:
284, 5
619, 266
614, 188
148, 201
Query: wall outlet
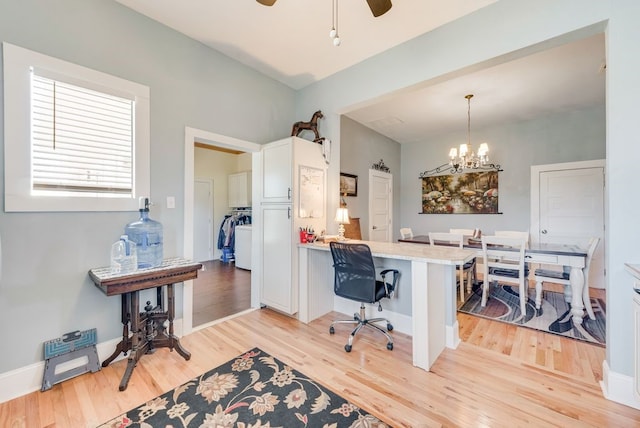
171, 202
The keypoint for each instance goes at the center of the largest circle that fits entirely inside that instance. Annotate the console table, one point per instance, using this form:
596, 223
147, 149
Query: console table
147, 328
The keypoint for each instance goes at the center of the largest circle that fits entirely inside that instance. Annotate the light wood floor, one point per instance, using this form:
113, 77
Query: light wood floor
500, 376
220, 290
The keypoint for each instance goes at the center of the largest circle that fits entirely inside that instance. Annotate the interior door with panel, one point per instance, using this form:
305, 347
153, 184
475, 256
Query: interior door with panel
380, 206
568, 207
203, 219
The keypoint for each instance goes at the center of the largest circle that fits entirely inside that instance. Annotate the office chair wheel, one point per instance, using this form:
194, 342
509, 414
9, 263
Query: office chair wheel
389, 327
348, 348
331, 330
390, 346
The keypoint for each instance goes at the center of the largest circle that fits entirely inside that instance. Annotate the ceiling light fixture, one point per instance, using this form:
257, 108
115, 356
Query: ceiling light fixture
466, 158
334, 23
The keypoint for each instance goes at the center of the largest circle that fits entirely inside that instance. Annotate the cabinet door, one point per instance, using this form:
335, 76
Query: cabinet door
277, 258
276, 167
240, 189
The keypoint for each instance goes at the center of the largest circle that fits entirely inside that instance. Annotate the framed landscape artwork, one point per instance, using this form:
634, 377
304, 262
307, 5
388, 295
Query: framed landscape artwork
469, 193
348, 184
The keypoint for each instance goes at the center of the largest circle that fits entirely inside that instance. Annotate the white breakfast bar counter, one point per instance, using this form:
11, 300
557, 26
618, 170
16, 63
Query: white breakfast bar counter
428, 271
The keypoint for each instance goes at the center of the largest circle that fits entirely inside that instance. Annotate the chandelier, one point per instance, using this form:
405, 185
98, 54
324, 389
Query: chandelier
465, 157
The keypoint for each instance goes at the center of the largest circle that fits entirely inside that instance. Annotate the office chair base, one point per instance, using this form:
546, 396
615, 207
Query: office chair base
361, 322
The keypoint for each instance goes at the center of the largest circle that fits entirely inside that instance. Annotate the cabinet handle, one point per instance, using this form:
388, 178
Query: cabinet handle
289, 193
543, 231
288, 212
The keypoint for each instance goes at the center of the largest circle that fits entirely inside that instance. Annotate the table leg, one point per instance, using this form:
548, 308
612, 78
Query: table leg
125, 343
175, 342
135, 339
577, 284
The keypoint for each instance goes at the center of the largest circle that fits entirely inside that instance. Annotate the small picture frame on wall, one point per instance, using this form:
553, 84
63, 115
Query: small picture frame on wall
348, 184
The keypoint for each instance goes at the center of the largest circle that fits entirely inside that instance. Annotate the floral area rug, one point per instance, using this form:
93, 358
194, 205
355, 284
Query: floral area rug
554, 315
254, 390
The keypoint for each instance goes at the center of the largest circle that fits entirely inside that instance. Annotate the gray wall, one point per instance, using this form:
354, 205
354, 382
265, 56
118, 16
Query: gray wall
569, 137
360, 148
45, 290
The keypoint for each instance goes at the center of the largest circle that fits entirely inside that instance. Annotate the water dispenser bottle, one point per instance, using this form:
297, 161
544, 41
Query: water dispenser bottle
124, 256
147, 234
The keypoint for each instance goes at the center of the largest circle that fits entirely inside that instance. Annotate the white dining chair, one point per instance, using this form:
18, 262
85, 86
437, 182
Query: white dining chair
465, 273
406, 233
513, 234
562, 277
503, 262
465, 232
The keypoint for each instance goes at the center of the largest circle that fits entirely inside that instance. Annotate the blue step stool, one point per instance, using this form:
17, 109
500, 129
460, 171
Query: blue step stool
70, 346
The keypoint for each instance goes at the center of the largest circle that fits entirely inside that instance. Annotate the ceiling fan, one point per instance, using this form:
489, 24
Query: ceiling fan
378, 7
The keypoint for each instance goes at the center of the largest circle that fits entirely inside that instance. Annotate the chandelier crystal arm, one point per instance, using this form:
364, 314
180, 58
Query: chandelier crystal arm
465, 157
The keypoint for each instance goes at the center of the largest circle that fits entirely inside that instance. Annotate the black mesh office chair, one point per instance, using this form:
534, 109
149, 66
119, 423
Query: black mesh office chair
355, 279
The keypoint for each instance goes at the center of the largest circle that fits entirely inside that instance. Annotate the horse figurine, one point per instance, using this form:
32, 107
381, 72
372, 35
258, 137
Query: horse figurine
312, 125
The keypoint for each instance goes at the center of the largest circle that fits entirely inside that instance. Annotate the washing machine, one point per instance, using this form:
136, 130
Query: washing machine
243, 246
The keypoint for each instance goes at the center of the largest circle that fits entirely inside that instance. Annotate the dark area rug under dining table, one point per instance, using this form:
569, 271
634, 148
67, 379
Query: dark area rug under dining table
554, 315
253, 390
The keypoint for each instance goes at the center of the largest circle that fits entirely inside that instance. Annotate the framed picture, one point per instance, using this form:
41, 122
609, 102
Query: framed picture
348, 184
467, 193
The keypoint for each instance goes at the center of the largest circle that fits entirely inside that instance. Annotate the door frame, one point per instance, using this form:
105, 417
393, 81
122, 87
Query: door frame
192, 136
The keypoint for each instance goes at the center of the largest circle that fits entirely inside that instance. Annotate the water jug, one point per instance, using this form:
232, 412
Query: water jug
124, 256
147, 234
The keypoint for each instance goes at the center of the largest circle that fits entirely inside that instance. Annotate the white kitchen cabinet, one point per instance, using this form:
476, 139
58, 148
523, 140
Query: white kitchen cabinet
277, 172
277, 290
280, 216
239, 190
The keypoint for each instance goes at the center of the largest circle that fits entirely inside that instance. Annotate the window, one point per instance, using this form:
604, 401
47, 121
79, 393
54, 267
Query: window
75, 139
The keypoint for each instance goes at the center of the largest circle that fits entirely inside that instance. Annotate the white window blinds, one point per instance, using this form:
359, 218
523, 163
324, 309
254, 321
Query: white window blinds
82, 140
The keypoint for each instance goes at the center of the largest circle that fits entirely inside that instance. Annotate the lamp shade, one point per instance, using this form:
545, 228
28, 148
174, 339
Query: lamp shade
342, 216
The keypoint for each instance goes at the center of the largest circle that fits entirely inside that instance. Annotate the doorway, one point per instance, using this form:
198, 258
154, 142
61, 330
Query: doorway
203, 219
380, 206
567, 206
201, 138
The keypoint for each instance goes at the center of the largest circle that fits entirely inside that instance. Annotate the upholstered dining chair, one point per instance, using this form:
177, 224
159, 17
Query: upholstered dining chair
466, 272
355, 279
503, 262
406, 233
562, 277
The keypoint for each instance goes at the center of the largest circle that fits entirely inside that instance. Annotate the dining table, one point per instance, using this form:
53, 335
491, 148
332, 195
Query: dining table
571, 257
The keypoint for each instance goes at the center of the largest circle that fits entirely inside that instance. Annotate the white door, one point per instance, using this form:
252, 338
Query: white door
571, 208
202, 219
380, 206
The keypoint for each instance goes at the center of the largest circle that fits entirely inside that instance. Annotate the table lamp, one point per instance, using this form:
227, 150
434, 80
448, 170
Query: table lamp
342, 218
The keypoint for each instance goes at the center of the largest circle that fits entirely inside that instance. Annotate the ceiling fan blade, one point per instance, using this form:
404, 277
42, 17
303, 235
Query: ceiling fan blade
266, 2
379, 7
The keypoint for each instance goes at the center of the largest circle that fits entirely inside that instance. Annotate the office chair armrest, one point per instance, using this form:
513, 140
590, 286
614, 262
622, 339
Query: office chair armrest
396, 275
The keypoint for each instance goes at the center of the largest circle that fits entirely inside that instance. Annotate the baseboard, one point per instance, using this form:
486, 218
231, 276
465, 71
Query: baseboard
27, 379
618, 387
